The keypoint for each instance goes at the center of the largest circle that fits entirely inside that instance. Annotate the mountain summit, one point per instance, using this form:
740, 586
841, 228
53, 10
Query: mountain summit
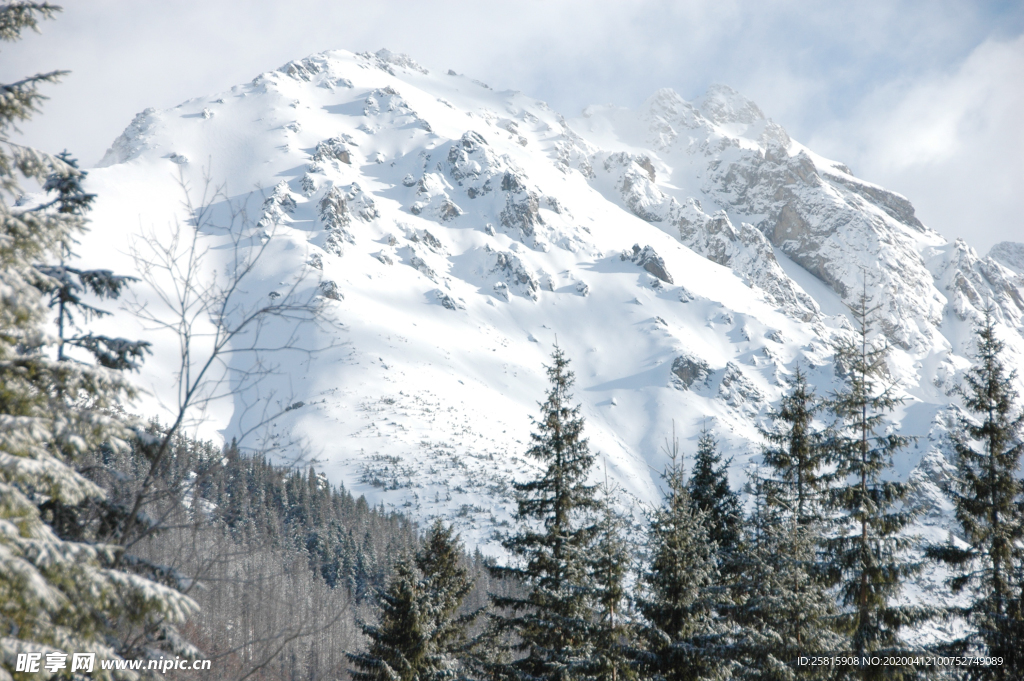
686, 256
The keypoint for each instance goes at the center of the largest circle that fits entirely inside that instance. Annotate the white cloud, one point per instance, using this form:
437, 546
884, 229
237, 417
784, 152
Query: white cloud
953, 143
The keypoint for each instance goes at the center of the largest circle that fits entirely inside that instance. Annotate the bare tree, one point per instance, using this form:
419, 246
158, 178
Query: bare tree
199, 281
225, 348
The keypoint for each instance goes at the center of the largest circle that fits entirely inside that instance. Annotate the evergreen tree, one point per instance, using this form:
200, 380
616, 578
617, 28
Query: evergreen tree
867, 554
552, 624
680, 593
710, 493
56, 594
781, 608
989, 499
609, 569
398, 646
418, 635
65, 285
796, 453
446, 585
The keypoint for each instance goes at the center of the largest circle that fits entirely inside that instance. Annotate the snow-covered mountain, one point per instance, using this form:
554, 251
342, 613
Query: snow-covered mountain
686, 256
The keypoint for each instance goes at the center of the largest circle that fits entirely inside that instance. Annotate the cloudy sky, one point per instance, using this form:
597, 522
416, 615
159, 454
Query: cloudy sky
924, 97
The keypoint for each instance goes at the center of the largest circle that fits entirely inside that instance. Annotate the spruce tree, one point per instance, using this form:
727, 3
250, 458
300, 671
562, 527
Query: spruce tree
710, 493
682, 633
419, 636
56, 594
989, 500
610, 564
397, 648
552, 624
780, 606
796, 454
446, 585
867, 553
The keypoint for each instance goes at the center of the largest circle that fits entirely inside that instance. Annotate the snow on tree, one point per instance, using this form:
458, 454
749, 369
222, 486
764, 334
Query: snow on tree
989, 499
781, 607
55, 594
867, 554
796, 454
418, 636
710, 493
67, 285
683, 635
552, 624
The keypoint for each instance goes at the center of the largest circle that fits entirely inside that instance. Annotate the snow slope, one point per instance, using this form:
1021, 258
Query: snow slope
686, 256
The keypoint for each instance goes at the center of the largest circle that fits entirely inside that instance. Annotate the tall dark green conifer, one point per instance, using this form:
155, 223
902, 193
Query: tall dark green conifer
680, 593
418, 636
989, 501
610, 564
867, 553
446, 585
552, 625
797, 454
780, 606
710, 493
397, 648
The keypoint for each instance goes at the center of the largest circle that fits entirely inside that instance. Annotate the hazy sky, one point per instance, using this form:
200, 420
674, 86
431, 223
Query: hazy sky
925, 97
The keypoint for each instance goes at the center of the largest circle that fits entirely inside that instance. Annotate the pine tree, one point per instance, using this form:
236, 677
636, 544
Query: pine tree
680, 592
710, 493
552, 624
867, 553
781, 608
797, 453
989, 500
418, 635
55, 594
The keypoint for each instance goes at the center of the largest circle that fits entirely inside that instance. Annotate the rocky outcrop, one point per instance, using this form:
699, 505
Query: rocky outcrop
1009, 254
649, 260
336, 211
276, 206
745, 250
689, 370
515, 273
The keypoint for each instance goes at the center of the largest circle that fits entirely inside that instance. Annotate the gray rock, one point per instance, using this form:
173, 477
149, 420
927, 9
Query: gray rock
690, 370
648, 259
330, 290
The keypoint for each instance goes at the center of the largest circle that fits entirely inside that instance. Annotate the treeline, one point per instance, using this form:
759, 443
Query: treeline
807, 585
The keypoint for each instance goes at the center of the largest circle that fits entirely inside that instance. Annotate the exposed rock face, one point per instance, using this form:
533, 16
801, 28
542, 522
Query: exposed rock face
276, 206
333, 149
649, 260
514, 270
737, 390
690, 370
336, 210
330, 290
747, 252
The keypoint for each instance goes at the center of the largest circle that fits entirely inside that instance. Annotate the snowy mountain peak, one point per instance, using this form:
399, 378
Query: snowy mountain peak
686, 255
723, 105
